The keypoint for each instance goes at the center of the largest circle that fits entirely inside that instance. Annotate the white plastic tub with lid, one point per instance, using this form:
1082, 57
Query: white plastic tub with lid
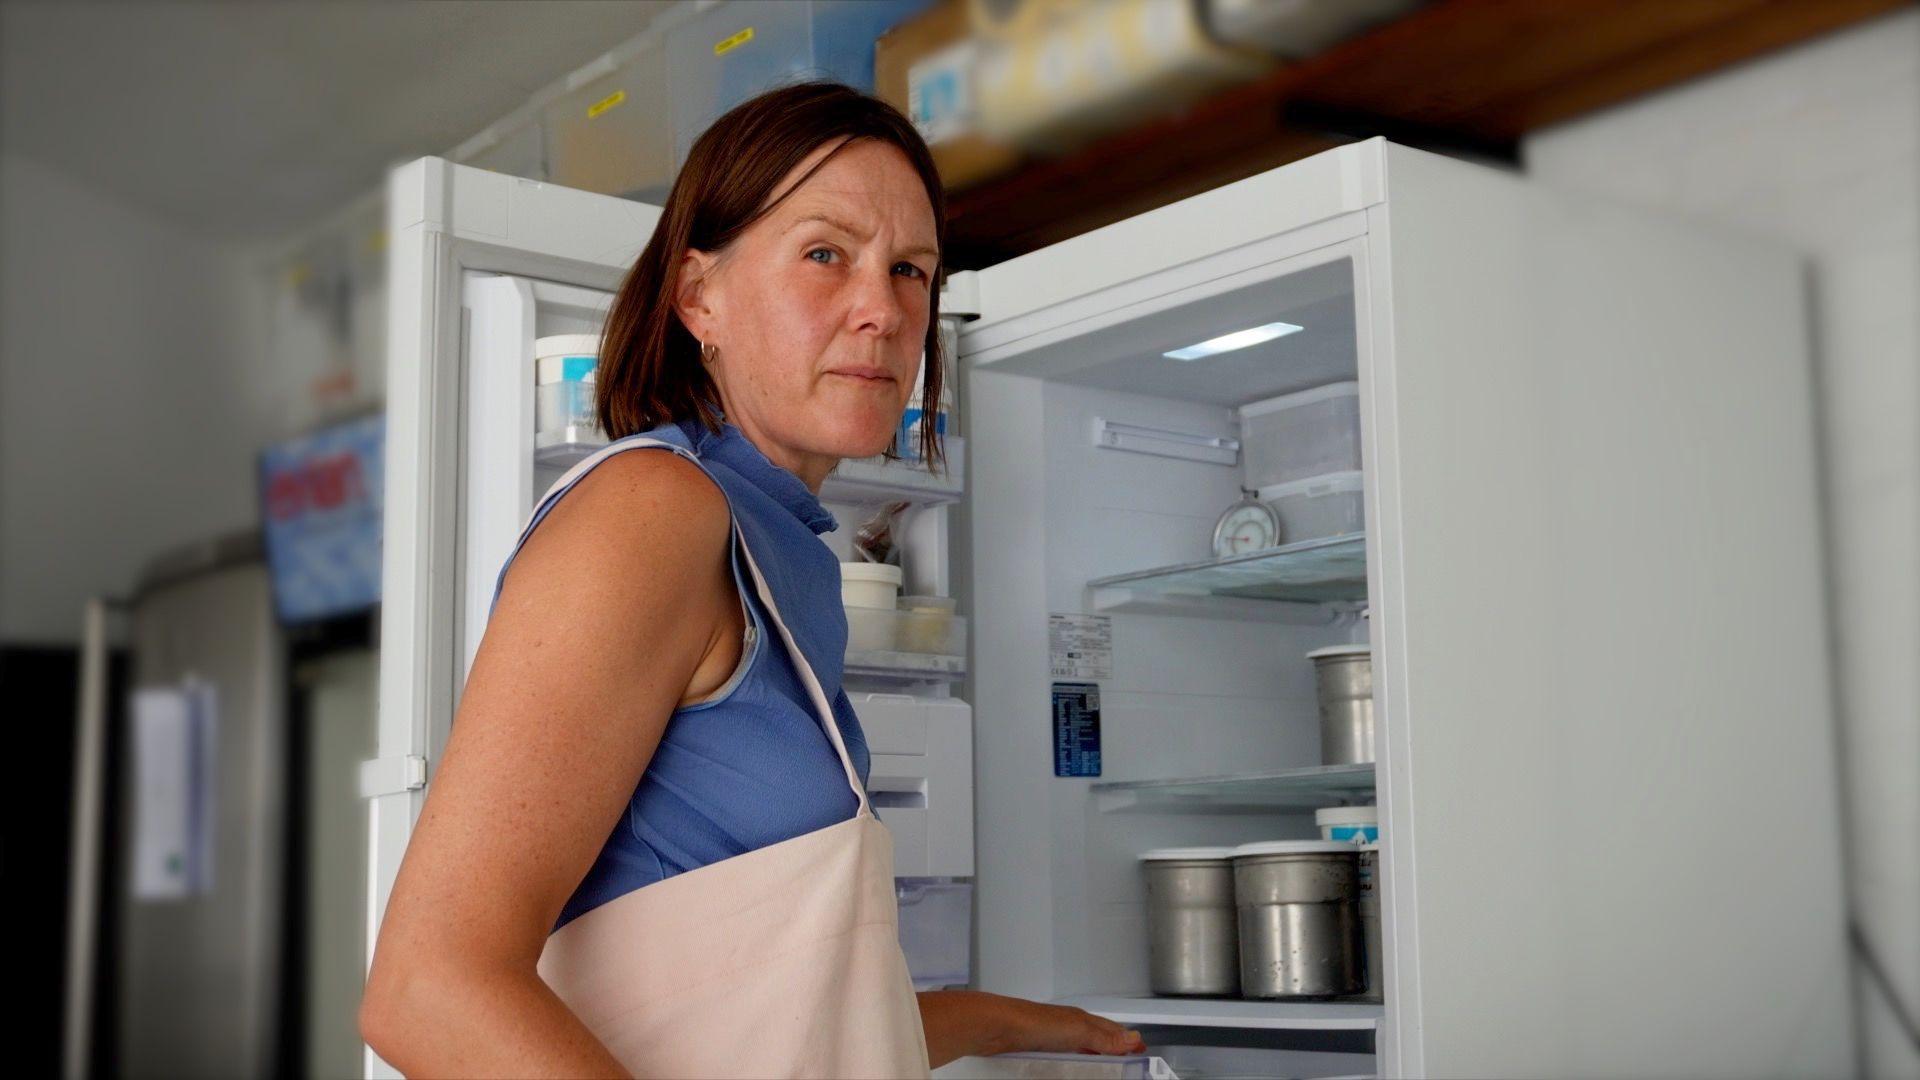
870, 585
1352, 824
865, 589
564, 366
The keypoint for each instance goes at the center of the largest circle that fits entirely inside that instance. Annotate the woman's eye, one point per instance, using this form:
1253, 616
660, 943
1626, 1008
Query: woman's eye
818, 251
912, 270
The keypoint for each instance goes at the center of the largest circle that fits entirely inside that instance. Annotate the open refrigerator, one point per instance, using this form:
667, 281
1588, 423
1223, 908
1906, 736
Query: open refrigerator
1589, 575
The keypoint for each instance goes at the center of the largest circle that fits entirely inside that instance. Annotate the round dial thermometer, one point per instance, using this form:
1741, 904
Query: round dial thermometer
1247, 525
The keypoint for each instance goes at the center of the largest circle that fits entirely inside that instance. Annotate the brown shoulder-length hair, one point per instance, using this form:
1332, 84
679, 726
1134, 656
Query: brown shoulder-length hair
650, 371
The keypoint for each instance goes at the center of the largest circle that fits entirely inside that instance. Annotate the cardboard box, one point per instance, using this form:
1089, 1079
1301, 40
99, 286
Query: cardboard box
1095, 69
925, 68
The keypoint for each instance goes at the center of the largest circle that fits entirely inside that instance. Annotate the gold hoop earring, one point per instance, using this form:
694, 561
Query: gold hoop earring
709, 352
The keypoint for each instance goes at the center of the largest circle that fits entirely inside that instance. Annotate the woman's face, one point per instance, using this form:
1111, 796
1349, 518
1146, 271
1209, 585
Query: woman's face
819, 310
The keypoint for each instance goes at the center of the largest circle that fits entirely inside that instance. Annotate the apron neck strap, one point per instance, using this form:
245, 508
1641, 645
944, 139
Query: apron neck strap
807, 676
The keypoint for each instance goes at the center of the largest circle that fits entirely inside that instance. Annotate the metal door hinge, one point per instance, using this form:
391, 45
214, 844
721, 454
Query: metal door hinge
392, 775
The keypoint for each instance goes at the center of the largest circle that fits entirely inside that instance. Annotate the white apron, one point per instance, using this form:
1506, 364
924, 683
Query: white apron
783, 961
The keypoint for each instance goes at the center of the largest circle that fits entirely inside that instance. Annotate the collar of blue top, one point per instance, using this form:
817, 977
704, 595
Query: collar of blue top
732, 448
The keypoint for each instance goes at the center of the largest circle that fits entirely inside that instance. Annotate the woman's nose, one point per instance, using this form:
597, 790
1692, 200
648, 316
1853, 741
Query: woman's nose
876, 300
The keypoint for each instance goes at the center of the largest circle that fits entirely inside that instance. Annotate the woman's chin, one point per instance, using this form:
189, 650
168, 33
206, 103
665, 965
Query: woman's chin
862, 439
870, 447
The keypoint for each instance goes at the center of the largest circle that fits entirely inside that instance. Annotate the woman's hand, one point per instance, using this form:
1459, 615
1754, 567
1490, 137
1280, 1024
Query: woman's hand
1064, 1029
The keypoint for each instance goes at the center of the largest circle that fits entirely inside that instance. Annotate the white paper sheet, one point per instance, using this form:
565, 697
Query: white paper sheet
162, 756
174, 771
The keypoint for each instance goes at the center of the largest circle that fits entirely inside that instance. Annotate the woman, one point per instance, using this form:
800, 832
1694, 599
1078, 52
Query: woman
648, 847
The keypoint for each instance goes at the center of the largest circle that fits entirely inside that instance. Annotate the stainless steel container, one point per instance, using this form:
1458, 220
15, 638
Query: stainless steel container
1192, 943
1343, 675
1370, 919
1298, 918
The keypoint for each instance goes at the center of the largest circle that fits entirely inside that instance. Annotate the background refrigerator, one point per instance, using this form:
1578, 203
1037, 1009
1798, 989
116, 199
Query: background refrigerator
194, 917
1588, 570
220, 859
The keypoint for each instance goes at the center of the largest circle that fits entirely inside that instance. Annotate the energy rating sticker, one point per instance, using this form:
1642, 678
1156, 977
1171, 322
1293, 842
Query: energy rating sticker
1079, 646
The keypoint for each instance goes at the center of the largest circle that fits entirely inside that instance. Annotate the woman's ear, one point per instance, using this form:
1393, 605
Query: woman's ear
693, 296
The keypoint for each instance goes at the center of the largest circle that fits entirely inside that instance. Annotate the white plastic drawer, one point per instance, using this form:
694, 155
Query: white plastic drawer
908, 825
920, 779
936, 930
894, 723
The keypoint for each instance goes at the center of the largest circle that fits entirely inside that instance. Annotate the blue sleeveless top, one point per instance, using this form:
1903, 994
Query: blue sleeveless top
750, 765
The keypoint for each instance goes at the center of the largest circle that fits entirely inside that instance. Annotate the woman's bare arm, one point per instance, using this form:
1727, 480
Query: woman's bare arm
603, 617
966, 1023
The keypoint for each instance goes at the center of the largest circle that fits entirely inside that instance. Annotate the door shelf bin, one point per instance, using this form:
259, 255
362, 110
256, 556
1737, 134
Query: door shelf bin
876, 480
1322, 571
914, 667
856, 480
1233, 1012
906, 644
1307, 788
565, 447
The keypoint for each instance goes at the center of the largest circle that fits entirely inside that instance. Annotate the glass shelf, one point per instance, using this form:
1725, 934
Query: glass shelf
1284, 789
1233, 1012
1327, 570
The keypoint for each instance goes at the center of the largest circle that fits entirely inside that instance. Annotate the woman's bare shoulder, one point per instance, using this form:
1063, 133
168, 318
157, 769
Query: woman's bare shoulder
642, 509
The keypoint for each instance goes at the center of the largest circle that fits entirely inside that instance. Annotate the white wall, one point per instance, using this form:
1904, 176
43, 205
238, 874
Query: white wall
1820, 146
132, 395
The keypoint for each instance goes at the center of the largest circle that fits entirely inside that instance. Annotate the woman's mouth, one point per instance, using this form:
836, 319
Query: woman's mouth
865, 374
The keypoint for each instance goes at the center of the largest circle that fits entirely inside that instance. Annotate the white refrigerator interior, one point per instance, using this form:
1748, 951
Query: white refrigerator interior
1593, 580
1589, 577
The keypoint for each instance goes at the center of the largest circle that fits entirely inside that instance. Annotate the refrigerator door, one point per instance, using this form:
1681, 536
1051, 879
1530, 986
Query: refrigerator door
479, 264
200, 957
1599, 630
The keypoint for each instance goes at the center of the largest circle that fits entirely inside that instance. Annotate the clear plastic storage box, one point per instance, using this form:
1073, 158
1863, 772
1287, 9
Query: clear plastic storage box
613, 134
925, 640
1319, 506
735, 50
936, 930
515, 147
563, 371
1300, 436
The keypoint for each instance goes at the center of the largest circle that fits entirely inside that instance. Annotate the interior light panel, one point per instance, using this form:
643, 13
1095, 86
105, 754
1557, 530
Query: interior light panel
1239, 339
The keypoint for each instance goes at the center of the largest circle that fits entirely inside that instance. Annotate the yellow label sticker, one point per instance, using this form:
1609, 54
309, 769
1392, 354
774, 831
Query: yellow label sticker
606, 103
733, 42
